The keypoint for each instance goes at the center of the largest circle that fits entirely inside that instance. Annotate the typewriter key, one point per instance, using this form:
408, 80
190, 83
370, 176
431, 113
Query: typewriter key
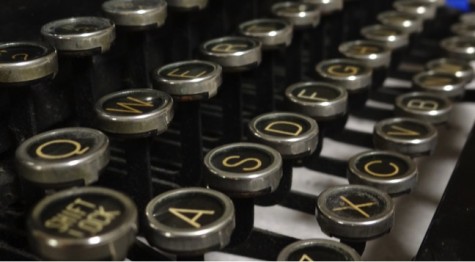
88, 223
189, 82
355, 214
80, 35
459, 68
294, 136
464, 30
393, 38
468, 18
407, 136
350, 74
135, 116
63, 157
318, 250
372, 54
78, 41
26, 69
459, 47
388, 171
136, 22
188, 5
235, 55
410, 24
274, 35
304, 17
444, 84
420, 8
188, 222
425, 106
243, 171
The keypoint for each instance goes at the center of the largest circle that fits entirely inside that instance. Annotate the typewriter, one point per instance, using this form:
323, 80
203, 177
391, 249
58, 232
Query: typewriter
236, 130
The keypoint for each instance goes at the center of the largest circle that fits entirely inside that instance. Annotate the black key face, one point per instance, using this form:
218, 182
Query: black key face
316, 93
189, 211
424, 103
406, 130
230, 45
133, 104
437, 80
79, 28
242, 159
63, 147
364, 49
82, 216
318, 253
355, 204
12, 53
342, 69
283, 126
382, 166
263, 27
187, 71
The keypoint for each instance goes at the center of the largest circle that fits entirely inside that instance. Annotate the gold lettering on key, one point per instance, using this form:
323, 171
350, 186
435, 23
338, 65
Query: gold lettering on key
185, 74
179, 212
363, 50
130, 107
81, 217
356, 207
340, 70
313, 96
305, 257
78, 150
426, 105
272, 128
437, 80
401, 131
257, 165
21, 56
228, 48
373, 173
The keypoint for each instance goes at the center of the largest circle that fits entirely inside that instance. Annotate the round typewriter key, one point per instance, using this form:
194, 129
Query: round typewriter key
318, 250
136, 13
83, 224
354, 76
190, 82
388, 171
235, 55
135, 112
468, 18
420, 8
293, 135
355, 212
135, 116
327, 6
459, 68
27, 67
372, 54
464, 30
459, 47
80, 34
410, 24
407, 136
440, 83
188, 5
190, 221
426, 106
393, 38
23, 62
63, 157
275, 35
303, 17
243, 171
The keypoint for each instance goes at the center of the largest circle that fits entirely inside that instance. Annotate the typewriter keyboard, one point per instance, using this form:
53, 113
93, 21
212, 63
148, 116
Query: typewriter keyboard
236, 130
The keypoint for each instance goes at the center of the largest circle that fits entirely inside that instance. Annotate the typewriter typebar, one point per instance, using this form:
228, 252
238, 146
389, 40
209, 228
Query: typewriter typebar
226, 130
